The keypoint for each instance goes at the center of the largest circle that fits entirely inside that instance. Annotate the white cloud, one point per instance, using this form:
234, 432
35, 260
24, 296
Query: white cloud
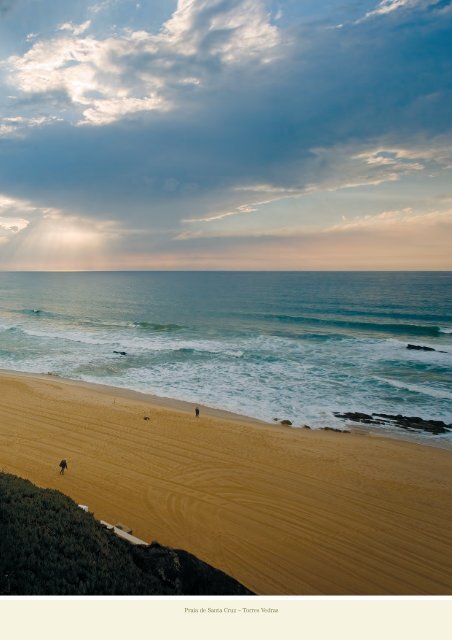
388, 6
342, 167
101, 6
105, 111
345, 168
391, 162
99, 75
10, 206
33, 235
395, 223
12, 212
12, 225
14, 126
270, 188
7, 130
240, 31
338, 168
62, 63
393, 218
240, 209
75, 29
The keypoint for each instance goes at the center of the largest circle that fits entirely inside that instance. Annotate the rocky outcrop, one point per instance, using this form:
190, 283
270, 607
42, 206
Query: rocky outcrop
355, 416
419, 347
410, 423
286, 422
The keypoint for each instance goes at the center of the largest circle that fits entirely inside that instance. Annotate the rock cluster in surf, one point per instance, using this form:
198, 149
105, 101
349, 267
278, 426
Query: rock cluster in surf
410, 423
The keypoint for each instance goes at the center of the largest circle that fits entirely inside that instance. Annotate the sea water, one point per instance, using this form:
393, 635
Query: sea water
291, 345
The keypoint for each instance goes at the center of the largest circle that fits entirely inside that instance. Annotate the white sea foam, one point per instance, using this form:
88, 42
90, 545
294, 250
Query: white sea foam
418, 388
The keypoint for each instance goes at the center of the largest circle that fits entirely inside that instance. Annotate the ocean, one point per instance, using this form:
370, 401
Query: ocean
287, 345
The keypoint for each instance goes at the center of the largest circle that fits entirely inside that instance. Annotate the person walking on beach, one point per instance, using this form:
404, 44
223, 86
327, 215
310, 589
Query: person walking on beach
63, 466
197, 412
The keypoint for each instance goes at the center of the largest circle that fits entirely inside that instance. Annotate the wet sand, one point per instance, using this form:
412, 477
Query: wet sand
284, 511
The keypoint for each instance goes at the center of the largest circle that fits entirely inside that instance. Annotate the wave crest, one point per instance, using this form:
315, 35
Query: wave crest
376, 327
154, 326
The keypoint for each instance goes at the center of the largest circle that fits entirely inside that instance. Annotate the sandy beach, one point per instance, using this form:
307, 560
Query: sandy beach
284, 511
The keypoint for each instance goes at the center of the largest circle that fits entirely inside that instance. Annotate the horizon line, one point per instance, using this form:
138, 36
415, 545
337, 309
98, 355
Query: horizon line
225, 270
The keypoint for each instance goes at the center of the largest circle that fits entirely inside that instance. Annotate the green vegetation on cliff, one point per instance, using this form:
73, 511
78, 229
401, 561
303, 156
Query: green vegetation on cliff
49, 546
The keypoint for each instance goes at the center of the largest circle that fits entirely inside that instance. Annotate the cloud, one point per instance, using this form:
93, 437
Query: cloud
234, 31
6, 130
394, 219
18, 125
75, 29
386, 7
52, 239
12, 216
240, 209
13, 206
216, 118
10, 226
398, 239
343, 168
137, 71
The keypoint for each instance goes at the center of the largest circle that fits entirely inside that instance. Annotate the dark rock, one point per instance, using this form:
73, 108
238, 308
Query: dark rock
418, 347
121, 353
146, 418
337, 430
356, 416
276, 419
287, 422
434, 427
306, 426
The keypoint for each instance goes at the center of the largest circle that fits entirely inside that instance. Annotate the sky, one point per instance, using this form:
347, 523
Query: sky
225, 134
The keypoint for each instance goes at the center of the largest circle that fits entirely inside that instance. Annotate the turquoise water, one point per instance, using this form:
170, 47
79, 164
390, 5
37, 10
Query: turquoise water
286, 345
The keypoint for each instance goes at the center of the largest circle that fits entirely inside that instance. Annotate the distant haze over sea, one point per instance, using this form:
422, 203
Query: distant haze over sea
294, 345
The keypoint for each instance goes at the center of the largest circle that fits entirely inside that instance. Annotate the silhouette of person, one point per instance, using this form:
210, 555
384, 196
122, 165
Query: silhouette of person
197, 412
63, 466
